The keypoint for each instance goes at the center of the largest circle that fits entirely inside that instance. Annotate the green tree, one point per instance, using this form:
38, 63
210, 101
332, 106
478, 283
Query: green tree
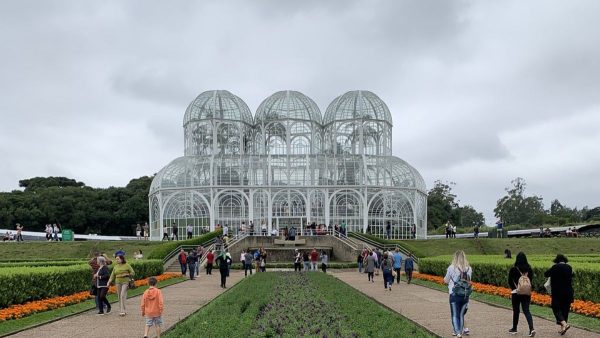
442, 205
47, 182
470, 217
516, 208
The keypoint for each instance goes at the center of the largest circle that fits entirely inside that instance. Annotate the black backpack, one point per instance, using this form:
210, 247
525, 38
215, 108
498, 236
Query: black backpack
462, 287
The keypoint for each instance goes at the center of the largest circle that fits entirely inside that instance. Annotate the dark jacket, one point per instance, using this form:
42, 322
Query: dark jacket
223, 262
192, 258
514, 275
408, 263
103, 276
561, 282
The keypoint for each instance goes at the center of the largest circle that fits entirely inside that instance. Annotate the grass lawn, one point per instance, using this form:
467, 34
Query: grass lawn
31, 251
11, 326
496, 246
589, 323
287, 304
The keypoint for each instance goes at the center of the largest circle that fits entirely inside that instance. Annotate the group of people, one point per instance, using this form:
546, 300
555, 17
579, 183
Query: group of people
122, 274
308, 261
142, 231
390, 264
560, 281
52, 231
450, 230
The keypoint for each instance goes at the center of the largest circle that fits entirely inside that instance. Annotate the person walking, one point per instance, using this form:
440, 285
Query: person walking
102, 276
19, 232
386, 267
223, 261
210, 258
175, 232
561, 284
152, 307
519, 281
458, 278
192, 260
138, 231
55, 231
370, 267
306, 260
397, 258
121, 274
324, 261
388, 230
94, 265
146, 230
359, 261
413, 231
297, 260
408, 268
248, 262
314, 256
182, 259
190, 231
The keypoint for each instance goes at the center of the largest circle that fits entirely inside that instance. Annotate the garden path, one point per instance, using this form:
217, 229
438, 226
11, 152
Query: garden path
181, 300
430, 309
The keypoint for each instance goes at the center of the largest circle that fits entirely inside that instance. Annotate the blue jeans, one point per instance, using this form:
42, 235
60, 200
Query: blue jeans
360, 266
388, 279
458, 307
183, 268
192, 270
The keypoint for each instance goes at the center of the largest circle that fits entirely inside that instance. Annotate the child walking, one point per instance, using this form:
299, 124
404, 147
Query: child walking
152, 307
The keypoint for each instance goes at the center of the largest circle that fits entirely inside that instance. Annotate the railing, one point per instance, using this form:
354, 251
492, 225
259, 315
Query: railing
176, 251
381, 246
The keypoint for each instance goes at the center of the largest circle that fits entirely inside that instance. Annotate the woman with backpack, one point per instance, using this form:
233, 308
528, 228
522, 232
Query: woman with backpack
519, 281
561, 284
458, 278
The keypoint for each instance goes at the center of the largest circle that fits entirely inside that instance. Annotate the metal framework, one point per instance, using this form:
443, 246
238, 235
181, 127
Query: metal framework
288, 166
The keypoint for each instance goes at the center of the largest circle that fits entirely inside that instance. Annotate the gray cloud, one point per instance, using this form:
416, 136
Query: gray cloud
480, 92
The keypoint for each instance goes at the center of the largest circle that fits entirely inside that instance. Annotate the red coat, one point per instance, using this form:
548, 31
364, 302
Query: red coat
210, 257
314, 256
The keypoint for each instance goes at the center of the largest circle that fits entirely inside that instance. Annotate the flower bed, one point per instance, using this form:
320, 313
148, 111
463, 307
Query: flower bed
29, 308
579, 306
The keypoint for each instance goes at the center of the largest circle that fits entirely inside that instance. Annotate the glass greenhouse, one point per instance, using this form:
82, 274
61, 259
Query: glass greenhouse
288, 166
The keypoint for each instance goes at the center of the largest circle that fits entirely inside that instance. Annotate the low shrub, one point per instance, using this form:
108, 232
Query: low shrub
166, 248
22, 284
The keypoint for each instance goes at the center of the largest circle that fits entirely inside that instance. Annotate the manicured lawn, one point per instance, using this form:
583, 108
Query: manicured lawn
288, 304
12, 326
496, 246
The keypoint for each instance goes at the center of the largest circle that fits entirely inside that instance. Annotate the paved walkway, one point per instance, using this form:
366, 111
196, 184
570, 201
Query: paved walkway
180, 299
430, 308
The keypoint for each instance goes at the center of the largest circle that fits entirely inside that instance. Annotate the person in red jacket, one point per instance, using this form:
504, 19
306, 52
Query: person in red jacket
210, 259
182, 258
314, 256
152, 307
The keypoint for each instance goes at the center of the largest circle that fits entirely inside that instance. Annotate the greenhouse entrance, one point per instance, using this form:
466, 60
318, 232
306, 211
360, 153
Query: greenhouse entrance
281, 223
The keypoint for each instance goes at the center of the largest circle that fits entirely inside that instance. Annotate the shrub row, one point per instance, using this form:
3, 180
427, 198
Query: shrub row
41, 263
166, 248
494, 270
23, 284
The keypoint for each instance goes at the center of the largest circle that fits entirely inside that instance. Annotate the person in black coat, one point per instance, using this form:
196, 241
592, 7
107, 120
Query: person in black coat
521, 268
223, 261
561, 284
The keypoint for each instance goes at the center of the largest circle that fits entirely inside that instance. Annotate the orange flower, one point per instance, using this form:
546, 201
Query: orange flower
579, 306
22, 310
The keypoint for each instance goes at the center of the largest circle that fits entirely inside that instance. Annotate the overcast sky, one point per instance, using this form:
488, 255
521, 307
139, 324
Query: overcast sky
481, 92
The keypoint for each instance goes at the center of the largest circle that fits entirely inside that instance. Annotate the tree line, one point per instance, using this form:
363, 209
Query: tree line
514, 208
76, 206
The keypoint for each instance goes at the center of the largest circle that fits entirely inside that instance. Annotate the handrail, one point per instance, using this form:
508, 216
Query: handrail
384, 247
186, 247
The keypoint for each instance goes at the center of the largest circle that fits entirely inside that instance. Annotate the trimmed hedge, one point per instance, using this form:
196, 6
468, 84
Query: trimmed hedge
42, 263
494, 270
166, 248
23, 284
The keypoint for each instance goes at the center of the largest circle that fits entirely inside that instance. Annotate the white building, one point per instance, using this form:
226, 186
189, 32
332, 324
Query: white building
288, 166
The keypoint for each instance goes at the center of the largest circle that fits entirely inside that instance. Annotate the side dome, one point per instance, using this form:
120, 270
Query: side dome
218, 104
357, 104
406, 176
183, 172
288, 104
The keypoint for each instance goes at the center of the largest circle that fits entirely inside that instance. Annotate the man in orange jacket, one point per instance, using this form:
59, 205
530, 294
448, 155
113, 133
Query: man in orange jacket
152, 307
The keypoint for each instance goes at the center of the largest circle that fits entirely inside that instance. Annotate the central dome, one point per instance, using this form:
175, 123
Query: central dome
285, 105
356, 105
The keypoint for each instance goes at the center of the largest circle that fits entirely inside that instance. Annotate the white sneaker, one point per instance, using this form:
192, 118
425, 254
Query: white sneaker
466, 331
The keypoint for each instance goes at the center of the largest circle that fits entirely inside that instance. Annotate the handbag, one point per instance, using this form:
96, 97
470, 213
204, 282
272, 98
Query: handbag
131, 283
548, 287
93, 290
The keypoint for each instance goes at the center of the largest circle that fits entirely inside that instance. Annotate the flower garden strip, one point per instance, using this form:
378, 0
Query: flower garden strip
24, 284
493, 270
22, 310
587, 308
295, 304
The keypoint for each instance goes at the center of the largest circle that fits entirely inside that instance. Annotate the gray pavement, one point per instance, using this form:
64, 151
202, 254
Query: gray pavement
430, 309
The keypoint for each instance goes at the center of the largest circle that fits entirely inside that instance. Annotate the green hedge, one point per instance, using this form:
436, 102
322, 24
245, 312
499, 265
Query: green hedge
331, 265
494, 270
166, 248
42, 263
23, 284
